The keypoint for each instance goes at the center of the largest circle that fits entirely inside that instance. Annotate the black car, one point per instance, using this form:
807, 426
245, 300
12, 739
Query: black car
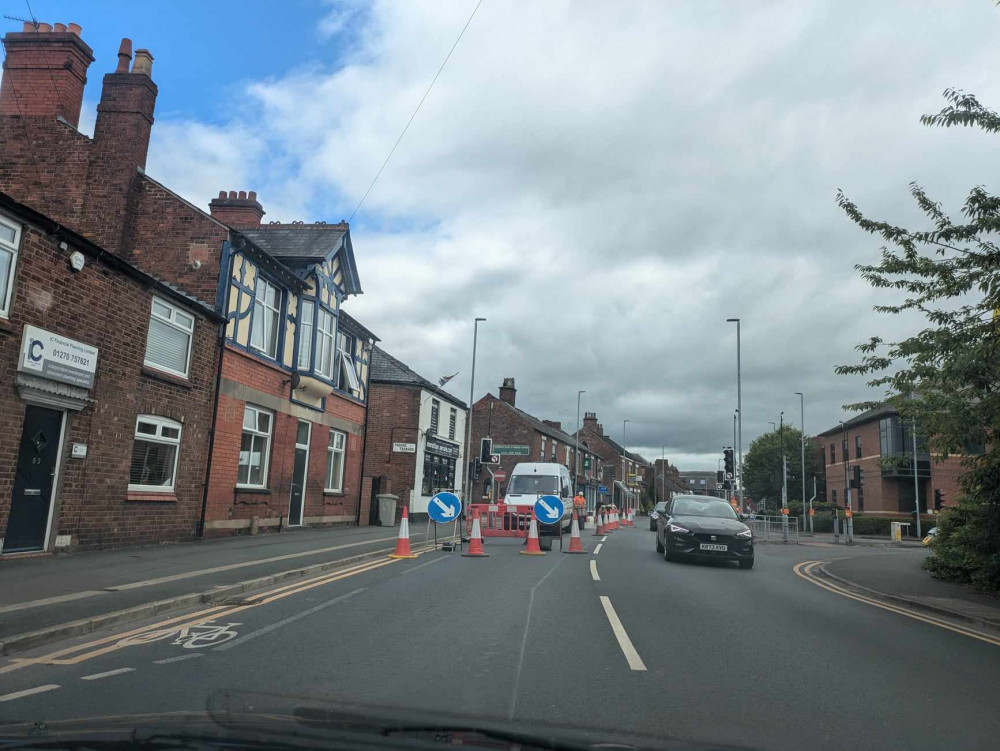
697, 526
658, 509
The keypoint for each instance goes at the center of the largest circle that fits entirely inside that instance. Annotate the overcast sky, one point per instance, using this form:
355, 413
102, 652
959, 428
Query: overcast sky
606, 183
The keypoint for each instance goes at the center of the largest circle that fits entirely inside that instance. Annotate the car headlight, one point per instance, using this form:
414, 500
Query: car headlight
678, 528
746, 534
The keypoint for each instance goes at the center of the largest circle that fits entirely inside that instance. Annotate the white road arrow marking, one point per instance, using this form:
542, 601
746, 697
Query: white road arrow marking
548, 509
448, 510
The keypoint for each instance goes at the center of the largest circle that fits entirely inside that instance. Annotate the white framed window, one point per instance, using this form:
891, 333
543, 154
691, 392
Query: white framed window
335, 461
567, 456
266, 318
154, 454
168, 340
348, 376
326, 331
255, 447
452, 421
541, 456
10, 240
307, 312
435, 417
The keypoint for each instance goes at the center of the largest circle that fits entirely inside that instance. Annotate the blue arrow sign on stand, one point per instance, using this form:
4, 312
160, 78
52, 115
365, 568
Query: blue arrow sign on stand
444, 508
549, 509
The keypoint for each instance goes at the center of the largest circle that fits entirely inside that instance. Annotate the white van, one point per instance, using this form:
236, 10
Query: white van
529, 480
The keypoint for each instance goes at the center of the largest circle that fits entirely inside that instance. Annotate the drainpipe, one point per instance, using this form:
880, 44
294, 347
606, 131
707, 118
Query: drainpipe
211, 435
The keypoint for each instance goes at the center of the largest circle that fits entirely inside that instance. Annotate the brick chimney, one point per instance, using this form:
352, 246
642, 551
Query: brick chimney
507, 391
553, 424
237, 209
45, 72
590, 423
121, 141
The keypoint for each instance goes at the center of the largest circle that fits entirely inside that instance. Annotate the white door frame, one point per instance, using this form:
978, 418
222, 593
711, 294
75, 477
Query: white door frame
305, 474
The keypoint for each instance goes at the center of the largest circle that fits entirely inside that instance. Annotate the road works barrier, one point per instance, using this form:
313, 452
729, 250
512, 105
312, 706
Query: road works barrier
499, 519
773, 528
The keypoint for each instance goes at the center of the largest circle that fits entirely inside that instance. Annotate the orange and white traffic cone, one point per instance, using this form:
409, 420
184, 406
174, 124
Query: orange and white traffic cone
476, 539
614, 518
575, 543
628, 519
403, 540
598, 524
532, 548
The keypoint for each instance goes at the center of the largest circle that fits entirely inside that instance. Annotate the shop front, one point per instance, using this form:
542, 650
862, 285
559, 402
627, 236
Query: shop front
440, 459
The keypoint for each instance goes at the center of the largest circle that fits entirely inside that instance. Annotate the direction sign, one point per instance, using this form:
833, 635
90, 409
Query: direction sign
511, 450
444, 508
603, 489
549, 509
499, 475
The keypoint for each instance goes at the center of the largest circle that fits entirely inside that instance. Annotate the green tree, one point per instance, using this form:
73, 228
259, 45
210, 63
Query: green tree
762, 467
947, 376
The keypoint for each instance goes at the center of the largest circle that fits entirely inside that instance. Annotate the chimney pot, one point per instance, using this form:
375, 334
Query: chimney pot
143, 63
508, 393
252, 195
28, 27
222, 194
74, 28
242, 195
60, 27
237, 208
232, 194
42, 27
124, 55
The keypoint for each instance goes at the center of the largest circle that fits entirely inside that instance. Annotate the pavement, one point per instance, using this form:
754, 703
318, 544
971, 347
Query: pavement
49, 597
617, 642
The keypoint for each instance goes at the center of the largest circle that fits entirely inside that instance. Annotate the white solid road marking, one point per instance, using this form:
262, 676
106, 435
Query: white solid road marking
106, 674
29, 692
49, 601
634, 661
169, 660
593, 571
598, 548
411, 570
604, 539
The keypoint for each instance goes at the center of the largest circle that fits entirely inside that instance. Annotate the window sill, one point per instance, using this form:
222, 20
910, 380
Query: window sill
250, 489
6, 327
147, 496
334, 493
166, 377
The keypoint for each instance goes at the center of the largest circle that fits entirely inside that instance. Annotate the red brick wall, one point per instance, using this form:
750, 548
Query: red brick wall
393, 416
226, 503
106, 309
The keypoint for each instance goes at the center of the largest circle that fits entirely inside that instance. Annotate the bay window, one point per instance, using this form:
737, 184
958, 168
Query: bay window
325, 336
307, 311
266, 318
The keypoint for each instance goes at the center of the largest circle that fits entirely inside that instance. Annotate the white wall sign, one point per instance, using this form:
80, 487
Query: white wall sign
79, 450
404, 448
57, 358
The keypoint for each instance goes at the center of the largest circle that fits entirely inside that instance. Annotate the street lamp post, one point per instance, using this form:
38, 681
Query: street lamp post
576, 468
663, 472
802, 420
467, 485
848, 509
735, 482
624, 470
739, 411
784, 480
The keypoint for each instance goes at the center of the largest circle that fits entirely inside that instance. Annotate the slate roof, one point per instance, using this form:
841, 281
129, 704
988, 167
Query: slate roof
312, 241
548, 430
387, 369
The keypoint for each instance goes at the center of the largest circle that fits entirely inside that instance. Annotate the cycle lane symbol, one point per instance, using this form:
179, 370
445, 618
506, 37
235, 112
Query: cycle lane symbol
195, 636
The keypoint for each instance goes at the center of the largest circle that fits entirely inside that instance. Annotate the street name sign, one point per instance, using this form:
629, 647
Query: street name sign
444, 507
549, 509
404, 448
511, 450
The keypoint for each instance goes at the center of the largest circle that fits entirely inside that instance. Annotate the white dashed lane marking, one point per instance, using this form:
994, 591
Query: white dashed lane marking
593, 571
179, 658
106, 674
598, 548
29, 692
634, 661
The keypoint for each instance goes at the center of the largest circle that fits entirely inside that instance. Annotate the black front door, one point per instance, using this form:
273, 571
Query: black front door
36, 469
299, 466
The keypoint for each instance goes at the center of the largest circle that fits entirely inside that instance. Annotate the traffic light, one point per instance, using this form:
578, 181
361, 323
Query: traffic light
728, 454
485, 450
720, 478
477, 467
938, 499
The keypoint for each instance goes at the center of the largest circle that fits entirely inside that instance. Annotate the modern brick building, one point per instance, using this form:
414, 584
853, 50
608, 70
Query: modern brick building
106, 394
700, 482
520, 437
416, 435
623, 473
881, 444
292, 383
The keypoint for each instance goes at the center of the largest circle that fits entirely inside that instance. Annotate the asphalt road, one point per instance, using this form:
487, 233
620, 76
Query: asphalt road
710, 653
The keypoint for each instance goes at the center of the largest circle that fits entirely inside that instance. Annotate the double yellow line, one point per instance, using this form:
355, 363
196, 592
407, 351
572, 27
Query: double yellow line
81, 652
806, 569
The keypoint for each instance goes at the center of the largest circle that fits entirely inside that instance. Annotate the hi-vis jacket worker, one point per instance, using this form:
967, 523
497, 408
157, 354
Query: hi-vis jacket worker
578, 500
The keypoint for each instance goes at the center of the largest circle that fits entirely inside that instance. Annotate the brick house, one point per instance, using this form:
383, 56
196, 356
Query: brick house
416, 435
880, 443
520, 437
104, 427
292, 383
618, 464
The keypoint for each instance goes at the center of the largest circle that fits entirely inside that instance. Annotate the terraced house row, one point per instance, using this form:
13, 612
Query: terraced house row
167, 371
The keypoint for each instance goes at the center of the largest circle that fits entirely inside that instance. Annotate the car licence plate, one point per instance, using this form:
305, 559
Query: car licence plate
710, 546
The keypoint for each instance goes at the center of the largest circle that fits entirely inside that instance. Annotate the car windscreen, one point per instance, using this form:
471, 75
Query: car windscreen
691, 507
541, 484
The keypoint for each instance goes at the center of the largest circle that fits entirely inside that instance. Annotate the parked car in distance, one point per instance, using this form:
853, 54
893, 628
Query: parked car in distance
697, 526
658, 509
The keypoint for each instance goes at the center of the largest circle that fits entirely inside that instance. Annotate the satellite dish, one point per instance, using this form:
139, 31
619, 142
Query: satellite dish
296, 380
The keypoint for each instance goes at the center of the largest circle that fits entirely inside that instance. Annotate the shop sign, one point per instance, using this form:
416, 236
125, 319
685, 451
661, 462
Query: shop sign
57, 358
442, 448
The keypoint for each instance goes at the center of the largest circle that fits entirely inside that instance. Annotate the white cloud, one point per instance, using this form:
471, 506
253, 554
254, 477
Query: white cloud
608, 187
